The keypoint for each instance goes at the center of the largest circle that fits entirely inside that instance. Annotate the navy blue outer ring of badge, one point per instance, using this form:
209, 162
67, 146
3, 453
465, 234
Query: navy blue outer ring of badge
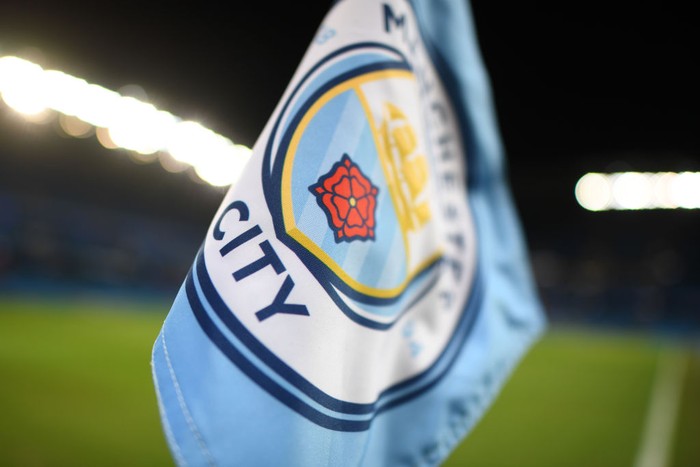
450, 353
272, 189
384, 401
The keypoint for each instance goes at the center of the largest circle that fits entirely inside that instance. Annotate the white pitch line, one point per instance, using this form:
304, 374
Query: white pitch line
655, 447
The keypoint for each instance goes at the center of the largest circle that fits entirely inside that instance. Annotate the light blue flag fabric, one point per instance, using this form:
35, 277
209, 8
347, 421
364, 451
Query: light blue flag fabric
364, 290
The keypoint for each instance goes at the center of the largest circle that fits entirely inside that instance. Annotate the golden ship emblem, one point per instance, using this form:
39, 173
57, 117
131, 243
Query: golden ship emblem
406, 169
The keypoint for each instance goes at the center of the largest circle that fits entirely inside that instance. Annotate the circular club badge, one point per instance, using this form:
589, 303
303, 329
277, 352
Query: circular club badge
342, 278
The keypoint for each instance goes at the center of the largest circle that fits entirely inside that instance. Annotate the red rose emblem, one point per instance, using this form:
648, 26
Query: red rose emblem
348, 199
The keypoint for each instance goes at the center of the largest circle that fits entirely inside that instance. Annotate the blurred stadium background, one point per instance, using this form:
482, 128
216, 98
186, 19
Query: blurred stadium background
94, 242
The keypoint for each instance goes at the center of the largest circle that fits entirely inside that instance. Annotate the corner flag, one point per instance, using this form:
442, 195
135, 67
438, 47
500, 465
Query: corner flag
363, 291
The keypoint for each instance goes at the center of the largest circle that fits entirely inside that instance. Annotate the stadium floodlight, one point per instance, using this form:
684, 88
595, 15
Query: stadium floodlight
121, 121
638, 190
21, 85
593, 192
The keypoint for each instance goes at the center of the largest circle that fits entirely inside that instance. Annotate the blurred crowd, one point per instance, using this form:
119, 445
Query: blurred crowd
621, 280
48, 244
611, 278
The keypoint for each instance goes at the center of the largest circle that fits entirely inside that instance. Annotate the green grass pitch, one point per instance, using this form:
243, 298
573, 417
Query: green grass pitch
76, 390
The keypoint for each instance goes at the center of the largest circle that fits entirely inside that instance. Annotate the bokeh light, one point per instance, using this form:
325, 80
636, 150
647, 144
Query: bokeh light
638, 190
75, 127
593, 192
120, 121
685, 190
631, 190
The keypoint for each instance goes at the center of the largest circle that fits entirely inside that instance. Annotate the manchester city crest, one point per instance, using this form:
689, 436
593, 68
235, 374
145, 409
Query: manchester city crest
358, 201
349, 239
342, 308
